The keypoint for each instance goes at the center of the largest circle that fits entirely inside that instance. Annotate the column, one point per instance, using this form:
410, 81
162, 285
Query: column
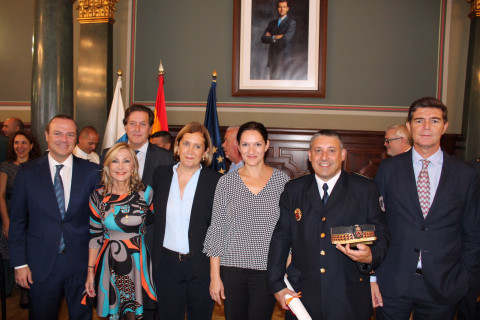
95, 76
52, 72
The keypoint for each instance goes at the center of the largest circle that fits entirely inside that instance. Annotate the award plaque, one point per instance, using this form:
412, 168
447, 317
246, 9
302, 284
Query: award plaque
364, 234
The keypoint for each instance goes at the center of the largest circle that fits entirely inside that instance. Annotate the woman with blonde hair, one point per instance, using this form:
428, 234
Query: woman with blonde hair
119, 265
183, 202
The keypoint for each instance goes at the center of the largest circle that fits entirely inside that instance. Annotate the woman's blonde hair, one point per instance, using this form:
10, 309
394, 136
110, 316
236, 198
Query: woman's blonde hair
107, 180
193, 127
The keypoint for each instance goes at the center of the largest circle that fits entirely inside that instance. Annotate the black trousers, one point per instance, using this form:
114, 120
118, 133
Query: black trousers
419, 299
180, 291
246, 294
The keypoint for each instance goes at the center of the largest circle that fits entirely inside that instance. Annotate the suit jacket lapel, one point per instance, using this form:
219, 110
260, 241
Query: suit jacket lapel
46, 183
442, 183
337, 194
313, 197
76, 184
149, 163
406, 167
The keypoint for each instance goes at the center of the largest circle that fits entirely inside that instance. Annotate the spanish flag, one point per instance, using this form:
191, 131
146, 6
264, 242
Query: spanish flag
160, 123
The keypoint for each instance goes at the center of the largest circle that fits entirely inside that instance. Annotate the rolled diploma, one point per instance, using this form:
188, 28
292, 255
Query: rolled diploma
296, 305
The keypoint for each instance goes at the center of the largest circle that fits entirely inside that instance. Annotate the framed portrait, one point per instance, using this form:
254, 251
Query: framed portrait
279, 48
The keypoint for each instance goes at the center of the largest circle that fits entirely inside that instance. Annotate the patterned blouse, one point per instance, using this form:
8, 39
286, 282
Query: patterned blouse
242, 222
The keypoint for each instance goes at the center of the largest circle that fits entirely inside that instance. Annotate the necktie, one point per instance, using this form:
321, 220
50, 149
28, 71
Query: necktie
60, 194
137, 151
423, 188
325, 193
279, 21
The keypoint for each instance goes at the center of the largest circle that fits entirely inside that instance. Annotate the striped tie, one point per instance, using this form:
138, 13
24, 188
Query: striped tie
60, 194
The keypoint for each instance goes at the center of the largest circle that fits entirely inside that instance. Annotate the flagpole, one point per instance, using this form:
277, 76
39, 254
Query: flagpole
160, 123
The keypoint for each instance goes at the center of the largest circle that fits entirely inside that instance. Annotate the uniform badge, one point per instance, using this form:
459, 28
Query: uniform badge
358, 233
382, 203
298, 214
125, 209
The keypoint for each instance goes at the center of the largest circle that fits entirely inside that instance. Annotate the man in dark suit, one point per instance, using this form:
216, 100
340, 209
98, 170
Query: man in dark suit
278, 35
49, 228
138, 124
334, 280
432, 203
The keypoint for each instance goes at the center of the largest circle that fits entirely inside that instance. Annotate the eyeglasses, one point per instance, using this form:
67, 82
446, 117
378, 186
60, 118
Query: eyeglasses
387, 141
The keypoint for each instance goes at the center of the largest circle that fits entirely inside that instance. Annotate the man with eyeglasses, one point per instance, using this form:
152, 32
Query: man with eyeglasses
432, 210
397, 140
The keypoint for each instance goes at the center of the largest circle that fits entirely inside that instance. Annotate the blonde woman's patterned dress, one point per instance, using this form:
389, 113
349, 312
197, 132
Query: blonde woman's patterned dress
123, 269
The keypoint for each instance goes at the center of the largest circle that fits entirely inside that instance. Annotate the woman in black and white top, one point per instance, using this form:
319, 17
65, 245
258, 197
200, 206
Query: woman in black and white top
245, 211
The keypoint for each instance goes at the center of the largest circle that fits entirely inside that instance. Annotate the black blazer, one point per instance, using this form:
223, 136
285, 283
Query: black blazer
343, 290
449, 237
200, 217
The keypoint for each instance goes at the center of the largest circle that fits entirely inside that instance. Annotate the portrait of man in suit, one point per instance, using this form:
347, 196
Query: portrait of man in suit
432, 209
279, 34
333, 279
49, 228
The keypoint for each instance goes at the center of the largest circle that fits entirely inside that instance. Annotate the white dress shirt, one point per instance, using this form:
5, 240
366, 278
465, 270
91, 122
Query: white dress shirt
92, 157
65, 173
141, 156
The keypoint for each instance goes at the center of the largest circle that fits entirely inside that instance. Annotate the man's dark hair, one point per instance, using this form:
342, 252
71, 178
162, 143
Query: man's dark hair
139, 107
279, 1
165, 135
428, 102
60, 116
327, 133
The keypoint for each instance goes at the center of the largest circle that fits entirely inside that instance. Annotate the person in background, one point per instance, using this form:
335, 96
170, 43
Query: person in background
87, 143
230, 148
245, 211
22, 147
12, 125
48, 235
162, 139
183, 210
397, 140
119, 264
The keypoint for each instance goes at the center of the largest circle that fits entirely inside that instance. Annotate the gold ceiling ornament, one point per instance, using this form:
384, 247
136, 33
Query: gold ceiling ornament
474, 8
96, 11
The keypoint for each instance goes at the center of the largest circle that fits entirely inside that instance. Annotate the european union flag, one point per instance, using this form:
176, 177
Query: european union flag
211, 123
